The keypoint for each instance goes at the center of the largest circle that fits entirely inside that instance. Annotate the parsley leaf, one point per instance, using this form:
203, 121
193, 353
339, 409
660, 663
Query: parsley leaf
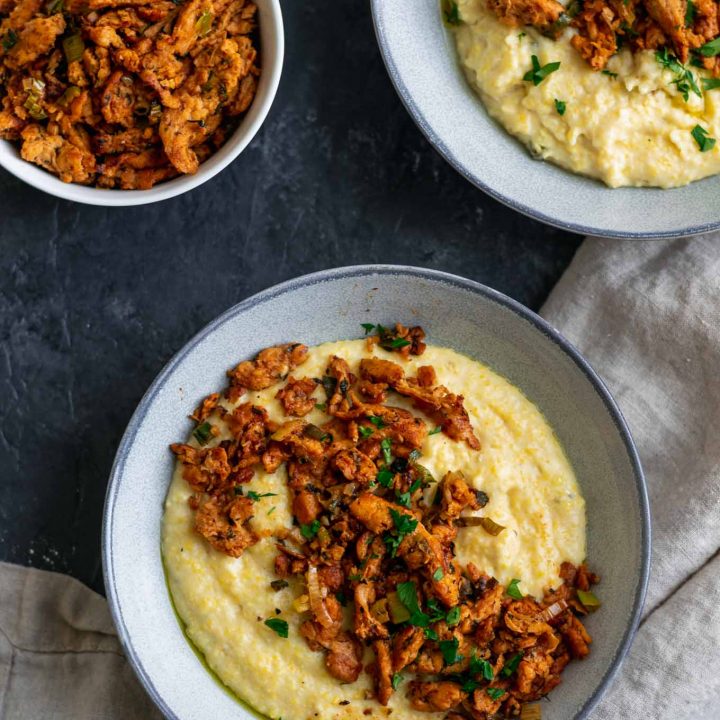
684, 79
449, 650
385, 477
704, 141
367, 327
438, 574
539, 72
404, 525
407, 593
451, 12
435, 431
9, 40
710, 83
511, 665
481, 667
397, 678
377, 422
453, 616
386, 446
278, 625
311, 530
495, 693
430, 634
609, 74
710, 49
258, 496
560, 106
690, 13
203, 433
513, 591
365, 431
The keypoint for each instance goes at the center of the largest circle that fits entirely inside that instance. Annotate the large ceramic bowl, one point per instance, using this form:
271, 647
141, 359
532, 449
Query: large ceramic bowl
330, 305
420, 57
272, 51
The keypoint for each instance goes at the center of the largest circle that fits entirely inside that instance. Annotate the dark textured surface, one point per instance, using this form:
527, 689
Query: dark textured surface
94, 301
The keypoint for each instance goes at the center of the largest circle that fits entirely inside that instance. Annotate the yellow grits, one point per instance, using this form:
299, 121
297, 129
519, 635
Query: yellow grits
223, 601
633, 129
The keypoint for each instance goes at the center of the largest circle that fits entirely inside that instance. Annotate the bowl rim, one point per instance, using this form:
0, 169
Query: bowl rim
88, 195
351, 271
442, 149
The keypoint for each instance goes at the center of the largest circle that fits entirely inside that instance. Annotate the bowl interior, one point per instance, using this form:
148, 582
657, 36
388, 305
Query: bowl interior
272, 52
421, 59
331, 305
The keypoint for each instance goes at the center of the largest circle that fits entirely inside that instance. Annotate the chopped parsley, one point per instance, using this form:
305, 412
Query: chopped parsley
521, 35
271, 510
203, 433
438, 575
560, 106
407, 593
278, 625
386, 446
481, 667
397, 678
609, 74
404, 498
495, 693
365, 431
710, 49
385, 477
259, 496
399, 343
430, 634
311, 530
704, 141
9, 40
690, 13
684, 79
451, 12
513, 591
453, 616
435, 431
449, 650
511, 665
539, 72
404, 525
367, 327
710, 83
321, 406
377, 422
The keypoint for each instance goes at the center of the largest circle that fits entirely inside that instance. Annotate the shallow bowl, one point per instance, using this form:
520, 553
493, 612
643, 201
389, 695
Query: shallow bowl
330, 305
272, 51
420, 56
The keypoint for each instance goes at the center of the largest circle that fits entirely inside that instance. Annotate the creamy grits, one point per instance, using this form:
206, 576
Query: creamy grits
223, 601
629, 126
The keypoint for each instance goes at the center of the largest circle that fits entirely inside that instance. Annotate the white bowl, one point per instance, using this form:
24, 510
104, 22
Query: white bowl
272, 52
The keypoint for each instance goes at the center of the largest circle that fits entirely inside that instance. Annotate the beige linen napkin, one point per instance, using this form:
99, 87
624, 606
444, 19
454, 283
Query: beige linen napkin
647, 316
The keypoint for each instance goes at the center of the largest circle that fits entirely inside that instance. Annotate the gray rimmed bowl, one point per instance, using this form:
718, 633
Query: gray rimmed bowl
420, 56
330, 305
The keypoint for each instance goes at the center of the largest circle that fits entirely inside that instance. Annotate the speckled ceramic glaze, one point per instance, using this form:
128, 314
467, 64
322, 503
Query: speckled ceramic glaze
420, 57
455, 312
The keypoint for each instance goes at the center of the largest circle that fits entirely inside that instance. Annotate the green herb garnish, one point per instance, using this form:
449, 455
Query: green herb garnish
367, 327
385, 477
321, 406
365, 431
513, 591
539, 72
407, 594
511, 665
203, 433
495, 693
386, 446
453, 616
560, 106
438, 575
684, 79
404, 525
397, 678
278, 625
9, 40
481, 667
704, 141
710, 49
377, 422
430, 634
451, 12
435, 431
449, 650
258, 496
609, 74
690, 13
311, 530
710, 83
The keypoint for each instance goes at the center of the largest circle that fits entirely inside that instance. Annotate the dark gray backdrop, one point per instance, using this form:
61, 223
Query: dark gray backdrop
94, 301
